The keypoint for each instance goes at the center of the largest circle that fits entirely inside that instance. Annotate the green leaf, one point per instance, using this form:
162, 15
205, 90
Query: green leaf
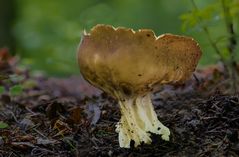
2, 89
3, 125
16, 90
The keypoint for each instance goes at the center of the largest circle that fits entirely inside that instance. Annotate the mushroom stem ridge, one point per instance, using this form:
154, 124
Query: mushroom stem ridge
138, 118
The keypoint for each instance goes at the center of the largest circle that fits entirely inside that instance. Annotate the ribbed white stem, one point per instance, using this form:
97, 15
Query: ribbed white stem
138, 118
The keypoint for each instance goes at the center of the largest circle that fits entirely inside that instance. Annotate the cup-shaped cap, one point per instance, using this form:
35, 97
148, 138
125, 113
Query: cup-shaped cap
123, 62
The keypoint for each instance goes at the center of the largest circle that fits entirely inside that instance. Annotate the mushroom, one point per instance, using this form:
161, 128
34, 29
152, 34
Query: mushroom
129, 65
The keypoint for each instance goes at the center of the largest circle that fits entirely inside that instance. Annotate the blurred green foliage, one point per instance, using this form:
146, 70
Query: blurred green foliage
3, 125
48, 32
16, 90
208, 22
2, 89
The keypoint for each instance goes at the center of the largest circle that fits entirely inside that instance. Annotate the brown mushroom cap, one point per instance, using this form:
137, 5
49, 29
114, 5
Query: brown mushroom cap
123, 62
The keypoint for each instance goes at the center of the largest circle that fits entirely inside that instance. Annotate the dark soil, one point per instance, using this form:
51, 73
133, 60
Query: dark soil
67, 117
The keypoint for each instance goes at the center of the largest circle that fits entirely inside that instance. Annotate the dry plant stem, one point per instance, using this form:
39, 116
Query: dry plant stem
138, 119
213, 44
231, 44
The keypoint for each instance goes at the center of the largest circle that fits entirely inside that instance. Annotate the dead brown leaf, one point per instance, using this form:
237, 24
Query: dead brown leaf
54, 108
76, 115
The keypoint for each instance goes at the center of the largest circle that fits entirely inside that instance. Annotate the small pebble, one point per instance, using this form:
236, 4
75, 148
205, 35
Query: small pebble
110, 153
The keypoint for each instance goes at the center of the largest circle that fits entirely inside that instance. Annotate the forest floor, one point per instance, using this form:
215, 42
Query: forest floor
42, 116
